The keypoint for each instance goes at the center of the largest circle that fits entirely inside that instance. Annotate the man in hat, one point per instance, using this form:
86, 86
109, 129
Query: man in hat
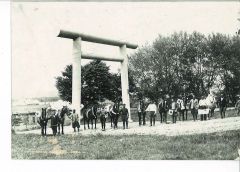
124, 113
75, 120
222, 104
152, 108
54, 122
194, 107
141, 112
163, 108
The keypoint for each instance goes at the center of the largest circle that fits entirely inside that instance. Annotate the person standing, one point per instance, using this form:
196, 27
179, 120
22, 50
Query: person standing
163, 108
75, 120
203, 109
125, 115
152, 108
173, 110
139, 109
54, 122
194, 107
103, 117
115, 113
186, 107
222, 104
180, 108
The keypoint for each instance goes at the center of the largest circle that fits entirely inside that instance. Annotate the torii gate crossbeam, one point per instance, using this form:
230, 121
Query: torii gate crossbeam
78, 55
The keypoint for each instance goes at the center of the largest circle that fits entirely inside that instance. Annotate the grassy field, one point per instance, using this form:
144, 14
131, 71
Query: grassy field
215, 146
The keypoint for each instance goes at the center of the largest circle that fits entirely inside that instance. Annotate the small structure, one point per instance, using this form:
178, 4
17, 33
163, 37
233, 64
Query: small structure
78, 55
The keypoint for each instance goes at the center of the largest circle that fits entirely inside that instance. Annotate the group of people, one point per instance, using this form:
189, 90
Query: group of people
179, 107
104, 112
173, 107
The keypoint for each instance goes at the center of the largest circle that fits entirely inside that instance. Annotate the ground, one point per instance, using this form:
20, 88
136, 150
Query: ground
212, 139
214, 146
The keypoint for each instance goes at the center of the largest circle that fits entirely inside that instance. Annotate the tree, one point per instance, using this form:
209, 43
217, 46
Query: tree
187, 63
97, 83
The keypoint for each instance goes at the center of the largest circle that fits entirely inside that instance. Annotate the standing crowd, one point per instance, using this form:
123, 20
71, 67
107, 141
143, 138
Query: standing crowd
178, 108
173, 108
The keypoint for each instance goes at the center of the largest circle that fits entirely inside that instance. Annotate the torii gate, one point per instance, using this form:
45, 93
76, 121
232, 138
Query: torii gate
78, 55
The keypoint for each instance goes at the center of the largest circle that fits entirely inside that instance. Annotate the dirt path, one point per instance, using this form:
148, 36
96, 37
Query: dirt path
180, 128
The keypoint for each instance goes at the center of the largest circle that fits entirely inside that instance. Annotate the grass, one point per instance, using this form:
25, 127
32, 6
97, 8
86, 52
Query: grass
214, 146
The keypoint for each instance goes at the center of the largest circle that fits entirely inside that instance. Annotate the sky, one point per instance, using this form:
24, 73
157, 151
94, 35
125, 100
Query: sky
39, 56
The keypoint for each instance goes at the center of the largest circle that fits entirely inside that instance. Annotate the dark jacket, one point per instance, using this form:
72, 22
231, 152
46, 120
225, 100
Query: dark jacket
163, 106
124, 113
222, 102
54, 120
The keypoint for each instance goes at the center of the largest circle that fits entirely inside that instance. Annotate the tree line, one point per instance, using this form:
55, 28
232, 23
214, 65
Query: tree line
185, 63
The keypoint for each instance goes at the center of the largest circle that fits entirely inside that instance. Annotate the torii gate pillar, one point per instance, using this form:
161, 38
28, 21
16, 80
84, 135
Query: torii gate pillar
124, 79
76, 75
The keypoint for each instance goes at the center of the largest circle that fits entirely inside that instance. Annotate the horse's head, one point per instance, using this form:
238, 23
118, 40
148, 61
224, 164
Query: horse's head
64, 110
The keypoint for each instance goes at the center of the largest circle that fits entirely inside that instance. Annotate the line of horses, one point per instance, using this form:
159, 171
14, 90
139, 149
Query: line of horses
91, 113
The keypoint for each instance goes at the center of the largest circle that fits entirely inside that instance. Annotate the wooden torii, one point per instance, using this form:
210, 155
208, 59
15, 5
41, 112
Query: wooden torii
78, 55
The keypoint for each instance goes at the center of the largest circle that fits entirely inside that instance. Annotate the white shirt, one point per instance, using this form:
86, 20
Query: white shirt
152, 107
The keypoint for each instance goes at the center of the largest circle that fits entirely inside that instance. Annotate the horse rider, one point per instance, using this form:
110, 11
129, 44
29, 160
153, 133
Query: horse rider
163, 109
103, 117
222, 104
141, 112
173, 110
194, 107
75, 120
125, 115
152, 108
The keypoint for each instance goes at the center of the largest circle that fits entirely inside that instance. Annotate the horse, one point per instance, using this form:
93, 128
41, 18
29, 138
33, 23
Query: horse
42, 121
61, 118
90, 114
212, 104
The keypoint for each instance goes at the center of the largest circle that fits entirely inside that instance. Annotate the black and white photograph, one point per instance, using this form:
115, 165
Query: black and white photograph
131, 80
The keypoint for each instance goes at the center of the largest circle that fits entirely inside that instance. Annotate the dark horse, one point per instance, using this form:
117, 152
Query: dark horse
42, 121
64, 111
90, 114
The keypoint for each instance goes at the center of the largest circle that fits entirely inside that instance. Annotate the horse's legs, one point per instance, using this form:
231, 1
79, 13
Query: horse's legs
111, 120
88, 123
84, 119
58, 127
186, 114
62, 124
92, 123
101, 122
96, 123
45, 129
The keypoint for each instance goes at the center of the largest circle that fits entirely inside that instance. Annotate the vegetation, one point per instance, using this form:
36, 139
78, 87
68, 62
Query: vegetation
188, 63
215, 146
97, 83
